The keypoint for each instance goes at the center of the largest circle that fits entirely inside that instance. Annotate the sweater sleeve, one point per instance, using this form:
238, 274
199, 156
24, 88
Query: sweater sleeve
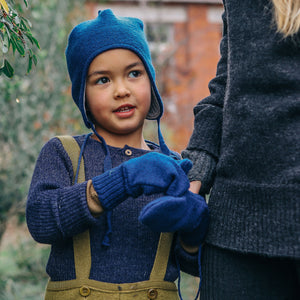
203, 147
56, 209
203, 169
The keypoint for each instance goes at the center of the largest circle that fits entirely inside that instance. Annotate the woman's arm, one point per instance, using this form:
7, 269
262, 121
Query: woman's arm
204, 145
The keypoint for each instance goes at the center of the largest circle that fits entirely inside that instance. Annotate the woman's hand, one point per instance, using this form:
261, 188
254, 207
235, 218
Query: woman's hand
195, 186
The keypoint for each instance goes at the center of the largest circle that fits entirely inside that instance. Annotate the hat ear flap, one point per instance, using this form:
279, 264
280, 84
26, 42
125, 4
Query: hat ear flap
89, 116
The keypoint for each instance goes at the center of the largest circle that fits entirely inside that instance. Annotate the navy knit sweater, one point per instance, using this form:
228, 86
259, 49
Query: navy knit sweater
249, 128
56, 211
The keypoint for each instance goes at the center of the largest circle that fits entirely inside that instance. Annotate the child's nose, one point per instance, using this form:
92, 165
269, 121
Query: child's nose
121, 90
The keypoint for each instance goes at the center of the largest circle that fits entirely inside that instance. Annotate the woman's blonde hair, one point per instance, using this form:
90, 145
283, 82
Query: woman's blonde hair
287, 16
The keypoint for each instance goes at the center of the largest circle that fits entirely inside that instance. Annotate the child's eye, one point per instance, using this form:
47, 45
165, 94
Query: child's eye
102, 80
134, 74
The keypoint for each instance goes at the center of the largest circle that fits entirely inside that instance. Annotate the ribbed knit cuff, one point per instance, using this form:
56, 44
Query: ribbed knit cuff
203, 169
110, 188
73, 215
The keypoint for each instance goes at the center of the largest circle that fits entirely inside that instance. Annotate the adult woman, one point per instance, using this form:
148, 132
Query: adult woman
246, 146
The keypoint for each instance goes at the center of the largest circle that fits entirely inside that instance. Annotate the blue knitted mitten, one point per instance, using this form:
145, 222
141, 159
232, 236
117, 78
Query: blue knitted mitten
187, 214
148, 174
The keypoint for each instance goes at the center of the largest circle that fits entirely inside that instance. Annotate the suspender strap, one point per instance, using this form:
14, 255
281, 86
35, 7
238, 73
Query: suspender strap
81, 242
162, 256
82, 254
73, 150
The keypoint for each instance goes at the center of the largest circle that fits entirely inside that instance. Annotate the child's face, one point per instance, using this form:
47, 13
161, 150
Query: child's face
118, 93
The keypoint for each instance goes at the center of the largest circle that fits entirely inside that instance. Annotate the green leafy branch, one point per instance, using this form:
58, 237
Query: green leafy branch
15, 35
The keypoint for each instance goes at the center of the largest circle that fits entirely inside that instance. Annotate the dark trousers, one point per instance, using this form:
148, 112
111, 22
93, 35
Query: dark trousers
232, 275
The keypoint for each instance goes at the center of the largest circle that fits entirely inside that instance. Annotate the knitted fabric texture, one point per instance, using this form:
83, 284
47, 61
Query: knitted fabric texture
106, 32
250, 124
187, 214
149, 174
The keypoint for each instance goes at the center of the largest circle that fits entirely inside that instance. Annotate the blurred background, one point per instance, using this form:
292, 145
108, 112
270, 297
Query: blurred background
184, 38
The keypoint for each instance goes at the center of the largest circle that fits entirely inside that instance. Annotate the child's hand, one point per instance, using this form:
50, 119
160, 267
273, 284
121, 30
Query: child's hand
187, 214
156, 173
148, 174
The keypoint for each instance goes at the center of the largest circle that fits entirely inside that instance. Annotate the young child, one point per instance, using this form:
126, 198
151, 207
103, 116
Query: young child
103, 215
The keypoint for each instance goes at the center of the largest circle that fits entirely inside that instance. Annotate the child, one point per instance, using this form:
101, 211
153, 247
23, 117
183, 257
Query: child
104, 228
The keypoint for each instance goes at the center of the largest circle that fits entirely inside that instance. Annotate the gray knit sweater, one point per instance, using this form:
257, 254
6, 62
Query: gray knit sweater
246, 140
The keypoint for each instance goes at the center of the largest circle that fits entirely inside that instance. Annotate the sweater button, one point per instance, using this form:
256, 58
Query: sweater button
84, 291
128, 152
152, 294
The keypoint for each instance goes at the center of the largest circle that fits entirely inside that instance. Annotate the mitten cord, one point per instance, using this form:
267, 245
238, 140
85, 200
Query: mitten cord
107, 166
163, 146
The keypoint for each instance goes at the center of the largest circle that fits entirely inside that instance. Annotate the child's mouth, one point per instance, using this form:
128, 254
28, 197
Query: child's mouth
125, 110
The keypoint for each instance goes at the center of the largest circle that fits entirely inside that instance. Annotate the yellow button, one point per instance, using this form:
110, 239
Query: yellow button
128, 152
152, 294
84, 291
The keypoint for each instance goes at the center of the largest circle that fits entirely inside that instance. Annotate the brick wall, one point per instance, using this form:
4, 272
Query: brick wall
189, 71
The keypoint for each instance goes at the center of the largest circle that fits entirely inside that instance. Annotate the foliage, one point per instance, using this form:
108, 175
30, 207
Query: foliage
16, 35
36, 107
22, 271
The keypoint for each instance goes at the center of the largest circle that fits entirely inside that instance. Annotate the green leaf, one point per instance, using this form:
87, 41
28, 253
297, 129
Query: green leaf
13, 45
34, 59
8, 70
27, 22
7, 31
29, 35
29, 67
8, 25
19, 44
32, 39
36, 42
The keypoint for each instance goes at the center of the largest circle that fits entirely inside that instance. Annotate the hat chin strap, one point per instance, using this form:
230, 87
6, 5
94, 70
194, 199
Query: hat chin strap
107, 159
164, 148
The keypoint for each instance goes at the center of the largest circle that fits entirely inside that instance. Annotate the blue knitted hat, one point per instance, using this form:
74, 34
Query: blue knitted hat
91, 38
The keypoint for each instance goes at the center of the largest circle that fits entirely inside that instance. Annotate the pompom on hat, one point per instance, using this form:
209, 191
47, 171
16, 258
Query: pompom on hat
106, 32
